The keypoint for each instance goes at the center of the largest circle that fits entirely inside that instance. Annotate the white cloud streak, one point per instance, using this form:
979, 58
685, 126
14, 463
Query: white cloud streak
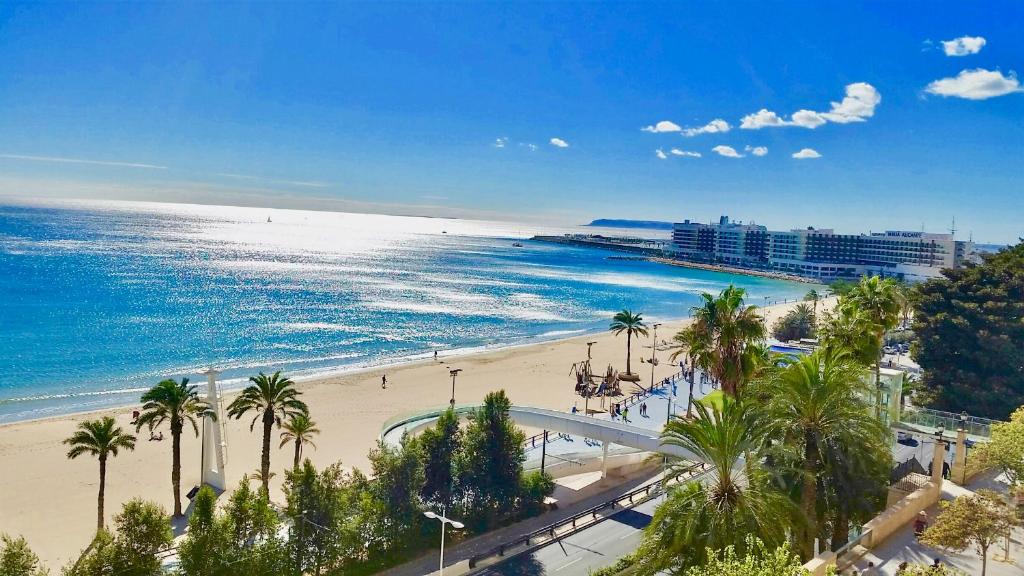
727, 151
558, 142
663, 126
757, 150
660, 154
684, 153
716, 126
963, 46
80, 161
806, 154
500, 142
977, 84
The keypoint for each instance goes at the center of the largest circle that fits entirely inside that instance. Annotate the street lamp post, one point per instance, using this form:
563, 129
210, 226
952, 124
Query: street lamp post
441, 518
654, 352
454, 372
589, 344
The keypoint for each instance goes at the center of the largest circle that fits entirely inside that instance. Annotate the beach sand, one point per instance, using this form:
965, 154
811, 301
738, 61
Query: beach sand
51, 500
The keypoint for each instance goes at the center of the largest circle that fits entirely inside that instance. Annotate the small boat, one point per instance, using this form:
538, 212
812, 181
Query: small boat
517, 245
444, 231
268, 219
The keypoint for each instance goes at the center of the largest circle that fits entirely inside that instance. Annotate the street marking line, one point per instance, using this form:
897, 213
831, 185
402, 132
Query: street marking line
567, 565
630, 535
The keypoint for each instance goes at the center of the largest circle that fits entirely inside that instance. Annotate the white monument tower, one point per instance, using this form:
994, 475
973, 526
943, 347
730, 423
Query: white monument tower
214, 441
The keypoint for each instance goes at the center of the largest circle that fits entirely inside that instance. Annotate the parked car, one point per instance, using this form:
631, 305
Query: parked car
906, 440
889, 349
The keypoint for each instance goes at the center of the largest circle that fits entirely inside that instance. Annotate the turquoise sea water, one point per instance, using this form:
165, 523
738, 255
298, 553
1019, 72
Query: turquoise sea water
101, 300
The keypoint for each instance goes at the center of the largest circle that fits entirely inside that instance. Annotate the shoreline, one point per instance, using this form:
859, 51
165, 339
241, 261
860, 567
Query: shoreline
734, 270
51, 500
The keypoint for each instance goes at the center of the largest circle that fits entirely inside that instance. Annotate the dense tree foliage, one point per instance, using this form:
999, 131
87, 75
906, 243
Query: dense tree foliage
1005, 450
796, 324
17, 559
143, 531
978, 520
970, 329
439, 447
758, 561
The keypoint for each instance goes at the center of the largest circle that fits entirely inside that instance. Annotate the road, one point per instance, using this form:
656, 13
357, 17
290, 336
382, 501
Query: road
577, 555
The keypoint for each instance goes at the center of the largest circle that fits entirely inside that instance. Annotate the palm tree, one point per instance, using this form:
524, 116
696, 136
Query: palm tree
273, 398
300, 429
720, 337
813, 296
175, 403
722, 510
102, 439
881, 301
631, 324
818, 407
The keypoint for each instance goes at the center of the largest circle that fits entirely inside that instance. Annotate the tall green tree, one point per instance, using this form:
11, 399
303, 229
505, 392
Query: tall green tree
800, 322
880, 300
177, 404
318, 504
143, 532
492, 460
100, 438
817, 407
737, 501
1005, 449
978, 520
631, 324
398, 480
439, 449
299, 429
813, 296
273, 399
721, 336
970, 336
17, 559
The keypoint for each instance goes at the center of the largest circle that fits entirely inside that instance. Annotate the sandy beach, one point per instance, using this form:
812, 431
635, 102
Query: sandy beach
51, 500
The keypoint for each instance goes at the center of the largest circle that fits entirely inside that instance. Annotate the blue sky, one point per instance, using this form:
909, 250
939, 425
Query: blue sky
400, 108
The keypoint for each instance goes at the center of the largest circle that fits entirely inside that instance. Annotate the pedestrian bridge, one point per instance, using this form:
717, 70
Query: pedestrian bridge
607, 432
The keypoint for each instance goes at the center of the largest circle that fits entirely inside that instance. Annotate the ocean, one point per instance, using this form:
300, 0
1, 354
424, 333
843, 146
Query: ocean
101, 300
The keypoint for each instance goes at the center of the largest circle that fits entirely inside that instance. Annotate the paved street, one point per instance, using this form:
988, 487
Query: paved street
577, 555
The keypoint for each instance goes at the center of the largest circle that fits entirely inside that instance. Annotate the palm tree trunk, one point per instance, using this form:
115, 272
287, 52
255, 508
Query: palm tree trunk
176, 469
268, 423
878, 389
298, 453
103, 487
629, 349
809, 498
689, 401
841, 529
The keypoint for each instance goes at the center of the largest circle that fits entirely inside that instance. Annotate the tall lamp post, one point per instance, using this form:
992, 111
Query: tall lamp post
589, 344
441, 518
654, 352
454, 372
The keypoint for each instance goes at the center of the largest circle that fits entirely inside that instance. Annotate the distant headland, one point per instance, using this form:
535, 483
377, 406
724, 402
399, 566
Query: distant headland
647, 224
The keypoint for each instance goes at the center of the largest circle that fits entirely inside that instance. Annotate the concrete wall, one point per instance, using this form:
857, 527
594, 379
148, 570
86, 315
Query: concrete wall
901, 514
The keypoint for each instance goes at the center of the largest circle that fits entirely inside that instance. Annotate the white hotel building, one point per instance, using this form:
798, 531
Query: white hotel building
820, 254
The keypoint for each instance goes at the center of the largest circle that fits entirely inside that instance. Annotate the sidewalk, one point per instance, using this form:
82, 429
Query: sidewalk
463, 551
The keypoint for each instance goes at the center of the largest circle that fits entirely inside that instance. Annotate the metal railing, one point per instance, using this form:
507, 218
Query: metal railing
975, 426
578, 521
899, 476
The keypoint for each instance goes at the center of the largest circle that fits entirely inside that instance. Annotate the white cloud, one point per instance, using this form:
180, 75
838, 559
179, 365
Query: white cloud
727, 151
716, 126
757, 150
963, 46
500, 142
806, 153
685, 153
80, 161
559, 143
663, 126
977, 84
660, 154
763, 118
531, 147
807, 119
858, 105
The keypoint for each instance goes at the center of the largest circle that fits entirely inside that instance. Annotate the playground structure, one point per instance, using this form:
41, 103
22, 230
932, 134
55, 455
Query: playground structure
589, 385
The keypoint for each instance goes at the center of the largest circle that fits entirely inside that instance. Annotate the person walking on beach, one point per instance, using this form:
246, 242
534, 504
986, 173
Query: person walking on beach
384, 382
435, 355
